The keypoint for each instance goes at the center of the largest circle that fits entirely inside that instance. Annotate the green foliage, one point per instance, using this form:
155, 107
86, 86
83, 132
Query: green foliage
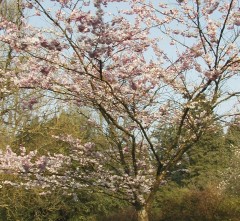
182, 204
186, 204
41, 133
30, 205
203, 162
10, 9
230, 176
21, 204
195, 192
196, 201
27, 205
207, 159
173, 202
233, 132
124, 214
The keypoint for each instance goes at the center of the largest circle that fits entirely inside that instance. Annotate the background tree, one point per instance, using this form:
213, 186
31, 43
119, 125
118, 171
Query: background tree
230, 176
211, 155
85, 204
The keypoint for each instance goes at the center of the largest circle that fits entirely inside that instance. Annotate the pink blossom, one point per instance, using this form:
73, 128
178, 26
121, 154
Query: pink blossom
140, 67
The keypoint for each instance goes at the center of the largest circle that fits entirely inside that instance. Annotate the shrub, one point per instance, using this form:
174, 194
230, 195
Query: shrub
182, 204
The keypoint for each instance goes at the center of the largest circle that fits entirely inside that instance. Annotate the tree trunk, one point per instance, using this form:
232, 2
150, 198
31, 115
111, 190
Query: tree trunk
142, 214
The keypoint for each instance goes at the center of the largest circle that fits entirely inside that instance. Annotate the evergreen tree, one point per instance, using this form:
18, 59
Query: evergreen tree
207, 159
230, 177
204, 162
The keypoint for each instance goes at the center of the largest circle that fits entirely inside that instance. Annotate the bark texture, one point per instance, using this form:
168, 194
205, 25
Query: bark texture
142, 214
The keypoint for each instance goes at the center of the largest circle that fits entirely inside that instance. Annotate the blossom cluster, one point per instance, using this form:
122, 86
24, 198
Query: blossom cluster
145, 65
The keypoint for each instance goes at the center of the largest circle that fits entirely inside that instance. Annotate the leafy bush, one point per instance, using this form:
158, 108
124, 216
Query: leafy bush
125, 214
209, 204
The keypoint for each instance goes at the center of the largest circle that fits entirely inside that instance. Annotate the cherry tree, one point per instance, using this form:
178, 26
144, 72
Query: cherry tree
139, 64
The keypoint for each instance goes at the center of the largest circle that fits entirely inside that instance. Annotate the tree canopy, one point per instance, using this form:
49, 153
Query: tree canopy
143, 64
